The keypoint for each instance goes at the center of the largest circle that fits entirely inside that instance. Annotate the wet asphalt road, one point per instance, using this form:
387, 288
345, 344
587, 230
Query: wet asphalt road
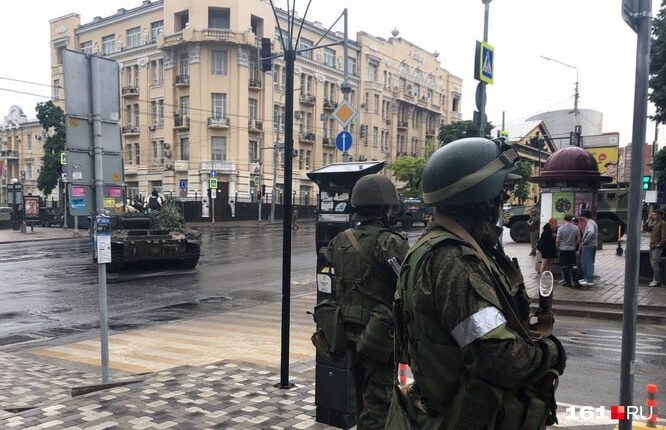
51, 287
53, 284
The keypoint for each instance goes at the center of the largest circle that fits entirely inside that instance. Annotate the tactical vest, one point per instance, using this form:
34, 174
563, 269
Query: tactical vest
441, 382
360, 285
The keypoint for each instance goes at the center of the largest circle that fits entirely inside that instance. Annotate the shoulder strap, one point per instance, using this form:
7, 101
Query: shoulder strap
457, 229
357, 246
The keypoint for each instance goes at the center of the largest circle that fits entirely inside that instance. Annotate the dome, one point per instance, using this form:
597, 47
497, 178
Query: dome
571, 164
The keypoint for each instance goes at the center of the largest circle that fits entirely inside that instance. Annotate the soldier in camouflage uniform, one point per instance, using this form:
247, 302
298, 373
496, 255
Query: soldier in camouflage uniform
365, 286
462, 312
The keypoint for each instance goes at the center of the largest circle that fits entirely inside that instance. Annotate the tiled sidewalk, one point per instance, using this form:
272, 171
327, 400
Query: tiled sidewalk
39, 233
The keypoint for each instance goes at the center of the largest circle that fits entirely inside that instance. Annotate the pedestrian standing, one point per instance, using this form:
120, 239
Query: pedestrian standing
365, 281
546, 245
653, 219
588, 248
567, 240
461, 306
533, 225
294, 220
657, 244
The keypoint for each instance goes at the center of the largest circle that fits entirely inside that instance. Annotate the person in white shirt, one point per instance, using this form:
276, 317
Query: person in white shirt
588, 248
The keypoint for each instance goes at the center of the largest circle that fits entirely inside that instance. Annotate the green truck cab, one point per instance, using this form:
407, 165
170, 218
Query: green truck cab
612, 206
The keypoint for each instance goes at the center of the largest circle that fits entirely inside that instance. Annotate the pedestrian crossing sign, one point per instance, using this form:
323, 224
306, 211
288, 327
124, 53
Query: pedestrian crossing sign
212, 184
484, 64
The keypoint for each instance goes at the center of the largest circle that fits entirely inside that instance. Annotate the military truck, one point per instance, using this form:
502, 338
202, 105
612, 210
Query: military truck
612, 206
409, 211
153, 236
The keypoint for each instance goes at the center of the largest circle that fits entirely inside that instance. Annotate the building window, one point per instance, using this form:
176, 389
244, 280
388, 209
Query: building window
305, 44
372, 71
218, 148
219, 62
184, 105
156, 186
86, 47
108, 44
218, 18
253, 151
56, 89
329, 57
375, 136
29, 142
351, 64
133, 37
181, 19
160, 111
153, 112
252, 109
308, 158
132, 190
454, 104
219, 102
137, 115
282, 38
184, 148
184, 65
28, 171
301, 159
376, 103
156, 29
157, 151
366, 102
129, 156
157, 69
278, 117
137, 154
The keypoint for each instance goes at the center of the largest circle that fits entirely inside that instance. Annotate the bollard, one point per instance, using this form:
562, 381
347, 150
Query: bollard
651, 403
402, 373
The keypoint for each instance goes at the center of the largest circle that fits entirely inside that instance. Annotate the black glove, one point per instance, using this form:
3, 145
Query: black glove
562, 355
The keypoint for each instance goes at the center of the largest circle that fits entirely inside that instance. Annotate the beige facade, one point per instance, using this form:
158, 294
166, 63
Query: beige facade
193, 97
21, 151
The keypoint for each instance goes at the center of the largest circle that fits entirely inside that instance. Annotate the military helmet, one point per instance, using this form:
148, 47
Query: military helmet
374, 190
467, 171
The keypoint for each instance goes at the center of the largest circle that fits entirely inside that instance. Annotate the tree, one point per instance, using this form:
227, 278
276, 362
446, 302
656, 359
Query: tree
658, 64
659, 165
52, 119
409, 170
460, 129
521, 190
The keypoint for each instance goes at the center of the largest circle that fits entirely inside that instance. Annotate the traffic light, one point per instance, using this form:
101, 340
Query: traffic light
266, 61
646, 182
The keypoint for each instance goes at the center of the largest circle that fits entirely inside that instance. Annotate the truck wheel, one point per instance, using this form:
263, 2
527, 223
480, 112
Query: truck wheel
520, 231
407, 221
192, 254
607, 229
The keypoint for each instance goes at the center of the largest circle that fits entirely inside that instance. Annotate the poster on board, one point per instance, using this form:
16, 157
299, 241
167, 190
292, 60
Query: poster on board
563, 203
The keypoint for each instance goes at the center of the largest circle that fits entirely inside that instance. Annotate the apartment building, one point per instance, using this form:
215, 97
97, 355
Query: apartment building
193, 98
21, 151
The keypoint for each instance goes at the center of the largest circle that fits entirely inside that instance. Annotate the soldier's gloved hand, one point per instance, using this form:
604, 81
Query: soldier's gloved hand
562, 354
544, 324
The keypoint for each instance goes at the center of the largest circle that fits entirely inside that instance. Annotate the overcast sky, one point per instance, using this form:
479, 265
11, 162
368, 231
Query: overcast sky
588, 34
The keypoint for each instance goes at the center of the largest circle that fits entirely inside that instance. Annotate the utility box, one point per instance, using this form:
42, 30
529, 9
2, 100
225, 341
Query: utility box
335, 397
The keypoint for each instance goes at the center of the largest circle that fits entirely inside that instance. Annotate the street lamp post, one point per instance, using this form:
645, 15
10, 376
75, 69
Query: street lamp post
576, 97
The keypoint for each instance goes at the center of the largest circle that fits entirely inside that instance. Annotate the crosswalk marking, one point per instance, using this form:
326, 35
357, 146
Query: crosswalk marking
251, 335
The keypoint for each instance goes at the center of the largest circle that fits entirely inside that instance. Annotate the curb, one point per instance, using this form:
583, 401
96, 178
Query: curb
44, 239
613, 311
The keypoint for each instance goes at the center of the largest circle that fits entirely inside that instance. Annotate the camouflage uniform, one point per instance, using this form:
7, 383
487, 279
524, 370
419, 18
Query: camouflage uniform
365, 285
533, 223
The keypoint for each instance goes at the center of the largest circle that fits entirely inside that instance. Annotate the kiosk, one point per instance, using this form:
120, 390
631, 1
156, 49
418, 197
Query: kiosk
335, 398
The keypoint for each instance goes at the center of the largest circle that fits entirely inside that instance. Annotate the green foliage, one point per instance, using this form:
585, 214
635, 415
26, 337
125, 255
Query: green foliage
52, 119
521, 190
459, 130
409, 170
658, 64
659, 165
167, 218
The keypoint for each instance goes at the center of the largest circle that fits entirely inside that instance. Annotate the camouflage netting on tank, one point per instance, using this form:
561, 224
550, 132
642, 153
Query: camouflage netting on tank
167, 218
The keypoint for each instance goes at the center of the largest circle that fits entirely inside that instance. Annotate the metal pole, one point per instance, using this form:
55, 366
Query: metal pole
482, 110
346, 88
274, 178
212, 205
290, 58
99, 206
259, 193
634, 217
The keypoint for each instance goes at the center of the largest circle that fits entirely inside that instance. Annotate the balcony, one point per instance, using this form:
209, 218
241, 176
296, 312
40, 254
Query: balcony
131, 169
254, 84
329, 105
407, 93
130, 130
308, 99
327, 141
182, 80
9, 155
255, 126
224, 167
130, 91
181, 122
430, 132
307, 137
403, 125
218, 122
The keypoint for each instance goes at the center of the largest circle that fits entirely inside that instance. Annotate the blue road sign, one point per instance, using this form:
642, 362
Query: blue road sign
182, 184
343, 141
213, 173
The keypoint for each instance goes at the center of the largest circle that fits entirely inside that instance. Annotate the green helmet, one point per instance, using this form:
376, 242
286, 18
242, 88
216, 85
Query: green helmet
467, 171
374, 190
